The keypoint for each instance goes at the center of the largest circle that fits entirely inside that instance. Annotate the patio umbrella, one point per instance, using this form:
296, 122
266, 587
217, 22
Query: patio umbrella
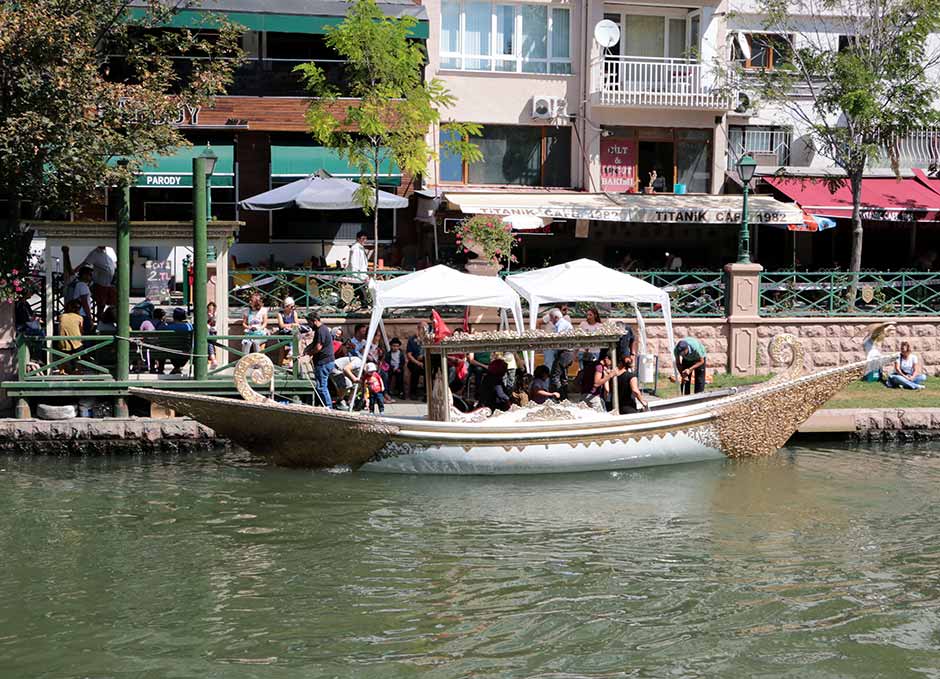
319, 191
811, 224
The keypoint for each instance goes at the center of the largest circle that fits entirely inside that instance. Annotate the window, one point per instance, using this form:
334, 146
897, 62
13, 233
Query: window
768, 144
767, 50
523, 155
478, 35
847, 42
655, 36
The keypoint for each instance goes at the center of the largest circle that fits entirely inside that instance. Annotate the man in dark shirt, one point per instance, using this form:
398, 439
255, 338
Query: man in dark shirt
414, 363
321, 355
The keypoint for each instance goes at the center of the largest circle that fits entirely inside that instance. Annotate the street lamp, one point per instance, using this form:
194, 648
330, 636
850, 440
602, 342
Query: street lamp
210, 160
746, 168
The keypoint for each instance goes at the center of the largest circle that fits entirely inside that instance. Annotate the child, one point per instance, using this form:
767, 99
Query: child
375, 388
396, 363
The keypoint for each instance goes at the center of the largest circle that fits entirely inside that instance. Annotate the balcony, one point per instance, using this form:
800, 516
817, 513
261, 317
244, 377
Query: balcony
767, 145
651, 82
918, 148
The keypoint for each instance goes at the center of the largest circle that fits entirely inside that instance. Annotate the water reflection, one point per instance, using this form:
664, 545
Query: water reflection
825, 558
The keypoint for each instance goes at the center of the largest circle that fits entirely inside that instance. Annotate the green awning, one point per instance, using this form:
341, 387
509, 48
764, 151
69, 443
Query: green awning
271, 22
176, 171
293, 162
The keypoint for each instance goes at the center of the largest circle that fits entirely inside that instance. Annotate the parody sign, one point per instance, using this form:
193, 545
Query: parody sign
618, 165
159, 274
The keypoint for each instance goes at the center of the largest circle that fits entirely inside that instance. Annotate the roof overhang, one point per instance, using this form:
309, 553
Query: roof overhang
96, 232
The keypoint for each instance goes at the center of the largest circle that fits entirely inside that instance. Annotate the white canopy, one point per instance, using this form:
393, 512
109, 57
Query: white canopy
585, 280
440, 286
318, 192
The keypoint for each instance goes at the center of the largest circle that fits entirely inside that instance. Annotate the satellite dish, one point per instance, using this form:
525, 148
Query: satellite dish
606, 33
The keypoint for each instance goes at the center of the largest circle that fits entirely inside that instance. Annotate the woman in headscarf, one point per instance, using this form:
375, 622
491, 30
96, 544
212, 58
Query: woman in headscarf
493, 393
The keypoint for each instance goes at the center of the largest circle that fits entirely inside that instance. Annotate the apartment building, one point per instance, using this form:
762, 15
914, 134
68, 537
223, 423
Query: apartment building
624, 139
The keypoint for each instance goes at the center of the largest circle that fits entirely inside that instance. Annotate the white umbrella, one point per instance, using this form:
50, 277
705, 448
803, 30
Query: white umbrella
318, 192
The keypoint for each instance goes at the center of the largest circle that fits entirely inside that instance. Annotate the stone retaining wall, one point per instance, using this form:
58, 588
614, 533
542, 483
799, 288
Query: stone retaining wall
84, 436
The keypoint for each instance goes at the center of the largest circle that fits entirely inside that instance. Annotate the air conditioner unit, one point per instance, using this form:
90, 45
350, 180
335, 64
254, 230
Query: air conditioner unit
765, 158
548, 108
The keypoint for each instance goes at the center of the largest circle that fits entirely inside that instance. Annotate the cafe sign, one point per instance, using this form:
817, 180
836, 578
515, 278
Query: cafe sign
649, 215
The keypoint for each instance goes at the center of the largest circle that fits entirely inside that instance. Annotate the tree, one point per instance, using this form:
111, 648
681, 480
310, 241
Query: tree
392, 108
68, 106
857, 95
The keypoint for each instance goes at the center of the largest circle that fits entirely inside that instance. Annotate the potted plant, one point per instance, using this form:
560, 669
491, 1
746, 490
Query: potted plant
490, 239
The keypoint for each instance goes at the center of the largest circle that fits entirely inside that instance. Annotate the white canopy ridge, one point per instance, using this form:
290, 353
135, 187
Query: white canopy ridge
440, 286
585, 280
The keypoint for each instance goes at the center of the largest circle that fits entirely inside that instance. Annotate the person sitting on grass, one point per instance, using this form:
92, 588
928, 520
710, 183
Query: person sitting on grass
908, 371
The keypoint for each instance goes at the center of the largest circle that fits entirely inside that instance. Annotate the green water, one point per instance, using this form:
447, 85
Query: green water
817, 562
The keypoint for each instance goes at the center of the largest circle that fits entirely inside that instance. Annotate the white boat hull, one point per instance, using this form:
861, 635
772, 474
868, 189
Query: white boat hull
673, 448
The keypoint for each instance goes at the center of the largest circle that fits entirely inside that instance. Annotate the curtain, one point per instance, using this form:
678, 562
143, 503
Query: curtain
477, 34
534, 37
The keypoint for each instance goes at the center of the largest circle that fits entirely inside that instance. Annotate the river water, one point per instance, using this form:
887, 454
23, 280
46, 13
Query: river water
817, 562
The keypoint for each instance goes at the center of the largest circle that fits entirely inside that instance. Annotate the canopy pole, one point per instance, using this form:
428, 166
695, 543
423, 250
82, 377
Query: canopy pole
641, 326
614, 388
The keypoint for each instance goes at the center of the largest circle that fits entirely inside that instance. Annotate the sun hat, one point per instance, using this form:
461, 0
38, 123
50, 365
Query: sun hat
289, 301
370, 367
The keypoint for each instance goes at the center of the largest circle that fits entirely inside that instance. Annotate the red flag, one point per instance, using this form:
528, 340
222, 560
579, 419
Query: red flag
440, 327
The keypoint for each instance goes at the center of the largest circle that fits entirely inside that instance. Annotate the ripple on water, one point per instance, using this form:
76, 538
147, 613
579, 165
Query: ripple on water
826, 559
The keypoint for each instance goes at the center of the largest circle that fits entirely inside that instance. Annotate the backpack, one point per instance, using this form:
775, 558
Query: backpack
142, 311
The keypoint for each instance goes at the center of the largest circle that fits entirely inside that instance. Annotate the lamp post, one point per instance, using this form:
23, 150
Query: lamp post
746, 168
211, 160
203, 167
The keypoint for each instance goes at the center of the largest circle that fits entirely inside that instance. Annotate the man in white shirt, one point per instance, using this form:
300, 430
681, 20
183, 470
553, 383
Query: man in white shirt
79, 288
563, 358
358, 255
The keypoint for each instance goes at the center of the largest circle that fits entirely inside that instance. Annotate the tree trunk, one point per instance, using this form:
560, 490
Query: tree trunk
375, 214
855, 263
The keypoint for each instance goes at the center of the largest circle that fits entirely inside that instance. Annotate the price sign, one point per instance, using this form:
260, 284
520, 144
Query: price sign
159, 274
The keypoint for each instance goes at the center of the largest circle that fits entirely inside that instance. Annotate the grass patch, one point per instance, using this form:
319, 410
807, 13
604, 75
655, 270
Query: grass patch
855, 395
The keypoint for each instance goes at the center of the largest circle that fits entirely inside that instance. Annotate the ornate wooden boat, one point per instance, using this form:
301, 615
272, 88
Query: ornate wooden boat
536, 439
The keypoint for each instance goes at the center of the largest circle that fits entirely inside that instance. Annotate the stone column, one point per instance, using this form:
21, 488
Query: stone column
743, 314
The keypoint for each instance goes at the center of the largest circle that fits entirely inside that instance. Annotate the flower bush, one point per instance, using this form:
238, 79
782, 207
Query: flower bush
488, 236
18, 272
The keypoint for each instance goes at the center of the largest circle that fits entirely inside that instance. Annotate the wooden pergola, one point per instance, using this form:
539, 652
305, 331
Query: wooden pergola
167, 234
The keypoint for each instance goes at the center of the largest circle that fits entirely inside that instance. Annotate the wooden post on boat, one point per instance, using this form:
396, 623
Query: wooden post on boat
614, 390
445, 379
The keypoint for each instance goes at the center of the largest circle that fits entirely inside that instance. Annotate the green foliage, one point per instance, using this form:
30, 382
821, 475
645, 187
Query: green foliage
488, 236
393, 107
67, 105
858, 101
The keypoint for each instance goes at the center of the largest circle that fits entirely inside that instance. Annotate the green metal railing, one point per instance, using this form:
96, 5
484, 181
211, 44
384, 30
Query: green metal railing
692, 294
274, 347
333, 291
39, 358
697, 294
826, 293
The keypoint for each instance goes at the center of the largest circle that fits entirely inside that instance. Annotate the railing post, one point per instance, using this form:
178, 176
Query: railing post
123, 247
743, 316
22, 359
200, 245
295, 353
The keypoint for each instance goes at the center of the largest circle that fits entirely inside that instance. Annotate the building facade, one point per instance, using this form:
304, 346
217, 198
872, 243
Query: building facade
656, 106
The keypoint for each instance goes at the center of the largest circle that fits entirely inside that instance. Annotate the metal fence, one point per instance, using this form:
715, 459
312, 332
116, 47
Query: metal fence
826, 293
339, 292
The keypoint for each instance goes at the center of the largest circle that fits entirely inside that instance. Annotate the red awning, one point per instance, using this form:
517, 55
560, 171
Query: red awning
883, 199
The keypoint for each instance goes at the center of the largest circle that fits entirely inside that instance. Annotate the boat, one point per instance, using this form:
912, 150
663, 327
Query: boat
535, 439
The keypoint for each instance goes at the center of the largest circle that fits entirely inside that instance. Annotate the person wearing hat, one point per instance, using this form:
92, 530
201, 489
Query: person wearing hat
321, 355
690, 360
374, 392
180, 323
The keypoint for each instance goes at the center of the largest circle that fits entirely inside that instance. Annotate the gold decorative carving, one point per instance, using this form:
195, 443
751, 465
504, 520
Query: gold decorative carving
346, 293
793, 361
868, 294
253, 369
548, 412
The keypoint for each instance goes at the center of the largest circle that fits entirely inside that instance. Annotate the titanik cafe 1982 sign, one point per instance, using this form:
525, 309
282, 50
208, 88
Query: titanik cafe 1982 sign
618, 165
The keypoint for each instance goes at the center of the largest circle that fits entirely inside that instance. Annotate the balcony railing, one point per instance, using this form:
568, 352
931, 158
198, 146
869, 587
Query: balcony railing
920, 148
652, 82
768, 146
